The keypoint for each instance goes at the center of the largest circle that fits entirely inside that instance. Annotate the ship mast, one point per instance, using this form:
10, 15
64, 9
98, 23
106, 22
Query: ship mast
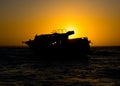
59, 31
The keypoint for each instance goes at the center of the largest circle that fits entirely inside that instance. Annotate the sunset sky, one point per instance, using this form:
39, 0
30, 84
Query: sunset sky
21, 20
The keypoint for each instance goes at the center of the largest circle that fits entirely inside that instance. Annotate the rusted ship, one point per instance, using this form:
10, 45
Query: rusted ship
58, 45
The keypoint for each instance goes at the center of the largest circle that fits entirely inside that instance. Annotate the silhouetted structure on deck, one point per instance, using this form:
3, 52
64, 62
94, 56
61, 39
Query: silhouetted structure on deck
58, 45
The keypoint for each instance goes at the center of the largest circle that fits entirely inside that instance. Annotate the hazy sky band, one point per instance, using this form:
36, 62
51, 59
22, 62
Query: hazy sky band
100, 17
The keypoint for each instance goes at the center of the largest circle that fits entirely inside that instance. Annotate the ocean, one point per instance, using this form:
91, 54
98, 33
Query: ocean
19, 67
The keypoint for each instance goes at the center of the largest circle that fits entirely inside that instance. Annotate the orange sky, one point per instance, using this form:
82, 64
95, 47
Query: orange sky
21, 20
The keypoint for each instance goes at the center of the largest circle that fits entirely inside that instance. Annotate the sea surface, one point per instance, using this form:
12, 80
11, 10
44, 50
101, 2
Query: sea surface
19, 67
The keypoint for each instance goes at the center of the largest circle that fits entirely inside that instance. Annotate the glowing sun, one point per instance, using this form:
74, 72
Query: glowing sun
71, 28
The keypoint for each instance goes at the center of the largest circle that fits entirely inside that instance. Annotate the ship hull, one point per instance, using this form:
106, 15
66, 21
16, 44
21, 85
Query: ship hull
60, 53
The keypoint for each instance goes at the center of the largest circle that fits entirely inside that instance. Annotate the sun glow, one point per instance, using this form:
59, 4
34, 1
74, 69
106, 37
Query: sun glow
71, 28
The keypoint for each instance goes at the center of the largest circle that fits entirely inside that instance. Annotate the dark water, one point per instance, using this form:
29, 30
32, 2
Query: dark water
17, 68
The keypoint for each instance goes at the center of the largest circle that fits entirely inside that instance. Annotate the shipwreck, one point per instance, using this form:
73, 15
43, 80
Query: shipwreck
58, 45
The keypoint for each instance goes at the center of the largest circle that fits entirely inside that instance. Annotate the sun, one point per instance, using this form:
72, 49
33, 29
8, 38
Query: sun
71, 28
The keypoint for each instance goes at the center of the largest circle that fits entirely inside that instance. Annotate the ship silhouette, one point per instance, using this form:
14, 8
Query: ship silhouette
58, 45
